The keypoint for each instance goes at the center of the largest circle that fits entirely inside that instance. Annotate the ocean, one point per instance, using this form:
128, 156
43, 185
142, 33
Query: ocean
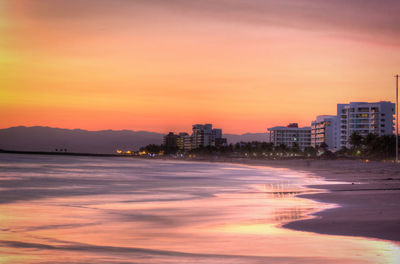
68, 209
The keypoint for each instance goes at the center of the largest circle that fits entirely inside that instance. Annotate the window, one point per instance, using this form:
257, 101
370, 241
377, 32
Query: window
363, 109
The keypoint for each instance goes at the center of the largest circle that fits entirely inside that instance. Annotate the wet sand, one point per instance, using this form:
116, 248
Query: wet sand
368, 199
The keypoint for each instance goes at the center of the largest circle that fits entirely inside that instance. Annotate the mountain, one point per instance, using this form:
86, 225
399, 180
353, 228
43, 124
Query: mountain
248, 137
82, 141
48, 139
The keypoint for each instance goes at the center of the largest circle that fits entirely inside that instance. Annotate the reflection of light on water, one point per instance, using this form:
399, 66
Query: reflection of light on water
390, 252
251, 229
387, 251
8, 257
291, 214
282, 190
379, 251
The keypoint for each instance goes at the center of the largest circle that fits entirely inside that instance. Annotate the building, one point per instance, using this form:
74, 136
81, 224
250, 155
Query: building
289, 135
364, 118
205, 135
220, 142
187, 143
180, 141
202, 136
216, 139
324, 130
171, 141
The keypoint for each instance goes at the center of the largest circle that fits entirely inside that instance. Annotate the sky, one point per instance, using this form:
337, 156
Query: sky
156, 65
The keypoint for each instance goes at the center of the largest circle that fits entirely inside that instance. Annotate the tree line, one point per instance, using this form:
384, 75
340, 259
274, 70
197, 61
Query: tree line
366, 147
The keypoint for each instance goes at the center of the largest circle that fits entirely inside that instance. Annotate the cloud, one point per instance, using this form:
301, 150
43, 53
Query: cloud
60, 226
371, 19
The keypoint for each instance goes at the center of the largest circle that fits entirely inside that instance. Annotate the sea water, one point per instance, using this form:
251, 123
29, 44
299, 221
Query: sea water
68, 209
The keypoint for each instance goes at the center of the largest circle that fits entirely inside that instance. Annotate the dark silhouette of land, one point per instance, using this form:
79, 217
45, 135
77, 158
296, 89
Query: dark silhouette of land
59, 153
48, 139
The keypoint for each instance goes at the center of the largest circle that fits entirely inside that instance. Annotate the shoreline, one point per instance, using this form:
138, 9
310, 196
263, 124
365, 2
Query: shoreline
368, 195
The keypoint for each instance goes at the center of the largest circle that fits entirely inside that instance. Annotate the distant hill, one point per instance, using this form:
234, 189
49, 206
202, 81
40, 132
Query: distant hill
248, 137
76, 140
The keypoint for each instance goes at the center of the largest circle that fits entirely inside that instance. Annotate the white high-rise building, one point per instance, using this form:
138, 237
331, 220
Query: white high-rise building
201, 135
324, 130
290, 135
205, 135
364, 118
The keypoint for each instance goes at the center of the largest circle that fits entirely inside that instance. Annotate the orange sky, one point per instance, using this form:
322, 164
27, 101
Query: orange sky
164, 65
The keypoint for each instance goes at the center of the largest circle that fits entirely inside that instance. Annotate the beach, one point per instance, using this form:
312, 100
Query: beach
368, 197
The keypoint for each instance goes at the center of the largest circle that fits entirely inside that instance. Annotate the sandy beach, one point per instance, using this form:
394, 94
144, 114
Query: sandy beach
368, 198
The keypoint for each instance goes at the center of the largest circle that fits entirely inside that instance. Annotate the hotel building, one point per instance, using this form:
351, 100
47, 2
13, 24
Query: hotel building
289, 135
205, 135
324, 130
170, 141
202, 136
180, 141
364, 118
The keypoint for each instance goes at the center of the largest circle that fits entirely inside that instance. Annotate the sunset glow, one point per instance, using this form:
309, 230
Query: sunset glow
164, 65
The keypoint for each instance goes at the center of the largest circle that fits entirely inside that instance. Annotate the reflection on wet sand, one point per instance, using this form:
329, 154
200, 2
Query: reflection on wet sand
96, 210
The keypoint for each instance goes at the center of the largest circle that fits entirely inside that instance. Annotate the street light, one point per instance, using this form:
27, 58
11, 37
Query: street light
397, 118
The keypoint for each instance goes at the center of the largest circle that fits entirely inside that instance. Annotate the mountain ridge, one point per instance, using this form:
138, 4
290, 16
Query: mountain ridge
45, 138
